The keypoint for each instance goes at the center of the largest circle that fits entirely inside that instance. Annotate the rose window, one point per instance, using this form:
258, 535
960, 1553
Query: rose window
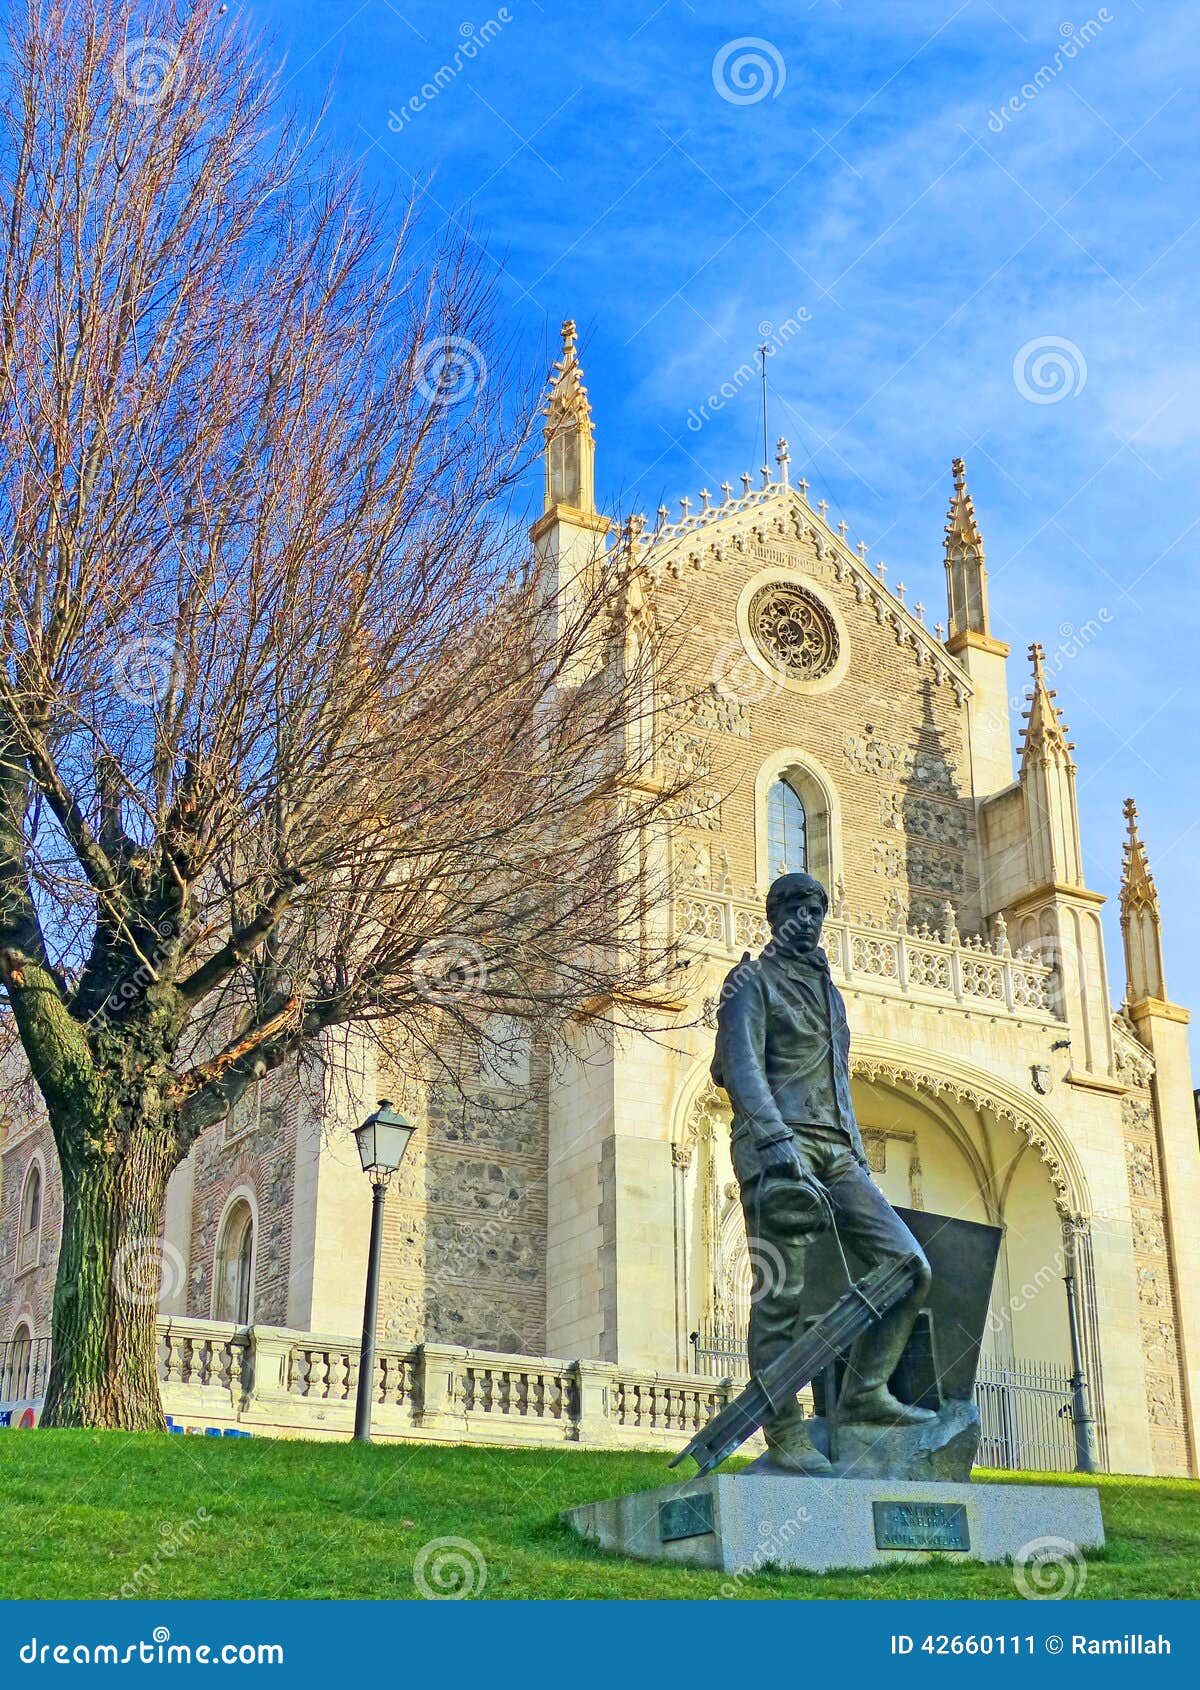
794, 631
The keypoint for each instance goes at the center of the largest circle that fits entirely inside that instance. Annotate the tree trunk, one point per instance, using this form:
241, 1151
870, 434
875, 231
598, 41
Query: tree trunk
114, 1267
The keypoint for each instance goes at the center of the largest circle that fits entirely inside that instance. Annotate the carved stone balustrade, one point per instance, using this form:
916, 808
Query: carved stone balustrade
941, 968
266, 1380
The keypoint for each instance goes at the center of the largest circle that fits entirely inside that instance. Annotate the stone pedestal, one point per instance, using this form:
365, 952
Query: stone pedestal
742, 1522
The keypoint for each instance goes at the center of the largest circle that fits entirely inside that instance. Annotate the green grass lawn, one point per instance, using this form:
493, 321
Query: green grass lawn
84, 1511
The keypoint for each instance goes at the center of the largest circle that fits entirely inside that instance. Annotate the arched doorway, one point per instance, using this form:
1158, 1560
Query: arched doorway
933, 1143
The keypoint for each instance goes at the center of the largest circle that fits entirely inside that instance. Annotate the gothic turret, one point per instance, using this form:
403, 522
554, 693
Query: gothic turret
1141, 922
1067, 912
969, 638
966, 575
1048, 781
569, 537
570, 437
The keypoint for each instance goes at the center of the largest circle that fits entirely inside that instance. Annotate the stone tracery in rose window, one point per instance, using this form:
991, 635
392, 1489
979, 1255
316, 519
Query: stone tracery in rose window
793, 630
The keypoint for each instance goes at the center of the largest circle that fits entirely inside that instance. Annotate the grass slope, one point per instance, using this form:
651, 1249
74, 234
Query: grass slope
85, 1511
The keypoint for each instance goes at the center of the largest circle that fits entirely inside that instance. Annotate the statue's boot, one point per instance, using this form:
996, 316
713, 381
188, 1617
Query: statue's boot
793, 1451
878, 1407
865, 1396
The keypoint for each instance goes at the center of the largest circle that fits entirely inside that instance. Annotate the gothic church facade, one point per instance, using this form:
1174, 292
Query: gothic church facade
587, 1210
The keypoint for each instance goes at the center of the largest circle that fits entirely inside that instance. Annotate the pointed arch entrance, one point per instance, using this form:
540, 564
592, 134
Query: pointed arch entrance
938, 1138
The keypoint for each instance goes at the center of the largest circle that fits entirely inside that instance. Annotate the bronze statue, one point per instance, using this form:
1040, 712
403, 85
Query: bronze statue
783, 1046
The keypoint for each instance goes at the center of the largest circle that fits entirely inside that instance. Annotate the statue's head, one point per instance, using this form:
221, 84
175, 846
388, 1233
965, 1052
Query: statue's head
796, 908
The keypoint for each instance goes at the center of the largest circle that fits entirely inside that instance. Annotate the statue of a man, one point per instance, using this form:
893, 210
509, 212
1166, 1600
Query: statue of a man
783, 1048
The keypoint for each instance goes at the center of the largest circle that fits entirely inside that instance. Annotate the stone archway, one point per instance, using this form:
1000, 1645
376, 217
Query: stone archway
1011, 1161
992, 1155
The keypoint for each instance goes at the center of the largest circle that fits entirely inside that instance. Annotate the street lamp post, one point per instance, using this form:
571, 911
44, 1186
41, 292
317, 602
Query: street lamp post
1081, 1414
382, 1140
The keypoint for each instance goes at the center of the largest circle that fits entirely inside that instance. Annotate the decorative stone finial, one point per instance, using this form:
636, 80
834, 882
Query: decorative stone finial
960, 518
570, 437
966, 574
1045, 731
1141, 919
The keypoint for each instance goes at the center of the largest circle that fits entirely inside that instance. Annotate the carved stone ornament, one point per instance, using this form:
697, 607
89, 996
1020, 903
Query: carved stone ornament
793, 630
936, 1084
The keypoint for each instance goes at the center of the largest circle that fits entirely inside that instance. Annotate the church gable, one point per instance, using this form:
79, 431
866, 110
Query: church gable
803, 649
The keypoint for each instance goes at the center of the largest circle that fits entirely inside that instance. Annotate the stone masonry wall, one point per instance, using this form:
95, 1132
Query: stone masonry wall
1156, 1286
27, 1292
465, 1237
253, 1150
890, 737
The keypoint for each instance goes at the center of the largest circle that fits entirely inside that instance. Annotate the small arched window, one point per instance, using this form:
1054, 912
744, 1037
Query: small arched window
233, 1294
787, 831
16, 1374
31, 1219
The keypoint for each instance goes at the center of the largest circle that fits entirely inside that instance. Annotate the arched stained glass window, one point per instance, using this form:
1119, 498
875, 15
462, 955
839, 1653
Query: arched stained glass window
787, 831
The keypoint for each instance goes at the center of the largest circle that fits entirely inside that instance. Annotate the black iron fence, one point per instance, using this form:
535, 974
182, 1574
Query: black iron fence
1025, 1416
1024, 1406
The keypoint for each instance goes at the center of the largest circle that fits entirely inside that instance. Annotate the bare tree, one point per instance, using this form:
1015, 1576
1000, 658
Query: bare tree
288, 723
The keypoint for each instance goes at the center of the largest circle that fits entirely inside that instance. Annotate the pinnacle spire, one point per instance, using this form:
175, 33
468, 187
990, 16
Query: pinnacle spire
966, 573
961, 527
1045, 736
570, 437
1141, 923
1138, 891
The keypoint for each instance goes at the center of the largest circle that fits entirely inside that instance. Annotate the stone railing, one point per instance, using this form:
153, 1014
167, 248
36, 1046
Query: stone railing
941, 967
267, 1380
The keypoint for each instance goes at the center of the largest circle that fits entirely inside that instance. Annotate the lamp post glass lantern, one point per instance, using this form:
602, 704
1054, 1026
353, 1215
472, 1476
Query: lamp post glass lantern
382, 1140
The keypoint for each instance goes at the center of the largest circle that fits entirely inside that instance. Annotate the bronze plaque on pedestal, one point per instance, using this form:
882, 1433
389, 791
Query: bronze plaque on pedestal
921, 1525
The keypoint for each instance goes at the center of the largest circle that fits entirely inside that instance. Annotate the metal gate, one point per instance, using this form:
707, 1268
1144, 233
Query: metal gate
1025, 1417
1024, 1406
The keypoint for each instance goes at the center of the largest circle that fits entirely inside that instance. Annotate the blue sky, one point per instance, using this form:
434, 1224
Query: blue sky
966, 269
